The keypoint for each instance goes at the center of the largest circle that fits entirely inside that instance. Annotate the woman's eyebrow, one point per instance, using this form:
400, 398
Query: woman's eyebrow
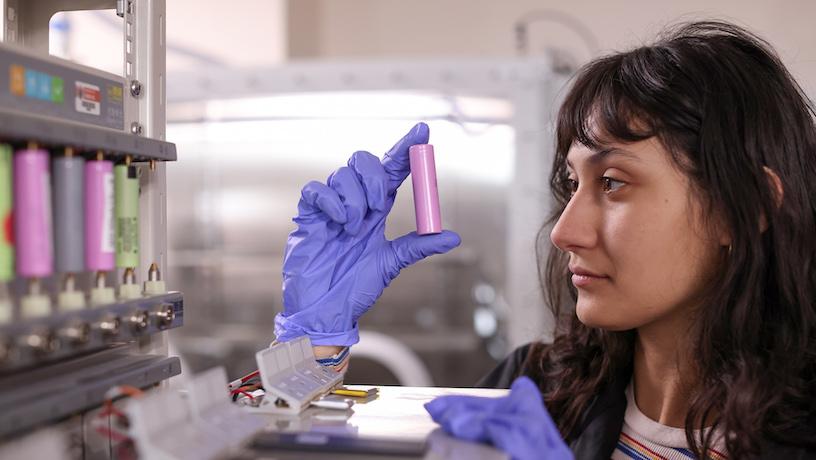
601, 155
597, 157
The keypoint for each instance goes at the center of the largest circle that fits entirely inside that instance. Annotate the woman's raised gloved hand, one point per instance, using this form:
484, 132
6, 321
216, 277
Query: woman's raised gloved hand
338, 261
517, 424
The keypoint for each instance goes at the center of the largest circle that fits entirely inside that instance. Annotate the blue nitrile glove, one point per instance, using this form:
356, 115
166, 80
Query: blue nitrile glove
337, 261
517, 423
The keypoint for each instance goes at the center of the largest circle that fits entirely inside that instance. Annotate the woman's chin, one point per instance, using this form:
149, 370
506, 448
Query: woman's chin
593, 315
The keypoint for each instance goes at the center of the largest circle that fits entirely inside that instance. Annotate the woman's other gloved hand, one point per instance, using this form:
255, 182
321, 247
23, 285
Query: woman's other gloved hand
517, 424
338, 261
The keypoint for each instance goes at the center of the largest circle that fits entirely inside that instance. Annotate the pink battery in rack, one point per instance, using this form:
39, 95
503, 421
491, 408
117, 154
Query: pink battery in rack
99, 216
426, 194
32, 213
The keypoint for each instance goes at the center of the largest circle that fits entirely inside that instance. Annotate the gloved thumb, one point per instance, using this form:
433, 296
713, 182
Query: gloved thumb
411, 248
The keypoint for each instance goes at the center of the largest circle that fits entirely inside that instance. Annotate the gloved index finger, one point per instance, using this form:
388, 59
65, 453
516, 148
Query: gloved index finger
373, 177
317, 197
396, 162
344, 182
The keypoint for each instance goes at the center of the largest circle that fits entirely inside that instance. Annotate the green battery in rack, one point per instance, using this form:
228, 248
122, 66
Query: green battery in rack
126, 186
6, 240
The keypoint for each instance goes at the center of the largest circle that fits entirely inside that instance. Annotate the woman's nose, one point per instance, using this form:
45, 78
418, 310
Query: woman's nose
577, 226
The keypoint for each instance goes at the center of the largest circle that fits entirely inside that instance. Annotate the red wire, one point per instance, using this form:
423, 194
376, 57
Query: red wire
245, 393
115, 436
249, 376
110, 409
237, 383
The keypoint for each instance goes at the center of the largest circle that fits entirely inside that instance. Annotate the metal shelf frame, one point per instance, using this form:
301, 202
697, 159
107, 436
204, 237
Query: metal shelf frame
49, 394
21, 127
47, 339
63, 363
26, 24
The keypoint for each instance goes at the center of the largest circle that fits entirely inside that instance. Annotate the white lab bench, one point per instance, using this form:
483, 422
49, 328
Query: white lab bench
394, 424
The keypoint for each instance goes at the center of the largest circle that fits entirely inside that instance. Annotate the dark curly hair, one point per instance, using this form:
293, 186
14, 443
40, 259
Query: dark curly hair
725, 107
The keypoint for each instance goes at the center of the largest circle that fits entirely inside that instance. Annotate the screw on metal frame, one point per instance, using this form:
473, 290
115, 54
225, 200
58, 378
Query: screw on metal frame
135, 88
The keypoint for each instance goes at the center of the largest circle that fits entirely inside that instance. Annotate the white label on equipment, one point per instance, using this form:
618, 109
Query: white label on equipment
108, 231
88, 99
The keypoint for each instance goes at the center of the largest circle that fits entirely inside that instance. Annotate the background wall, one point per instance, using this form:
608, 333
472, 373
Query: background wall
201, 34
399, 28
247, 33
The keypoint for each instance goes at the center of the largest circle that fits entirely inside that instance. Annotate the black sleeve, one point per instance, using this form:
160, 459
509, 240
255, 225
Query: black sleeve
506, 371
772, 450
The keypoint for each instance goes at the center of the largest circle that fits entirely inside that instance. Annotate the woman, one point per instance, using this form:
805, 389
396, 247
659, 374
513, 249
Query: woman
684, 230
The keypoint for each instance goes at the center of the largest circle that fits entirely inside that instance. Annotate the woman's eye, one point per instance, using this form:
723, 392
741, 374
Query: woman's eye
572, 185
610, 185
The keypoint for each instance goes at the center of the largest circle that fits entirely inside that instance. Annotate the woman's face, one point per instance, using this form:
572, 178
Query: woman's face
638, 246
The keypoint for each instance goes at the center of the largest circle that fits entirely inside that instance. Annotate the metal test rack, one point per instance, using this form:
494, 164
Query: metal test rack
74, 357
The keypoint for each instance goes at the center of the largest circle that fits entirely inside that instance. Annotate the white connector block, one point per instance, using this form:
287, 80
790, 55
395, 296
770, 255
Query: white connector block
154, 288
292, 378
35, 305
162, 428
102, 296
212, 408
204, 425
130, 291
70, 300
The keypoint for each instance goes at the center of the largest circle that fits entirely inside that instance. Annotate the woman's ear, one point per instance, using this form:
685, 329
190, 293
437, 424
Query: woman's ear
779, 194
778, 191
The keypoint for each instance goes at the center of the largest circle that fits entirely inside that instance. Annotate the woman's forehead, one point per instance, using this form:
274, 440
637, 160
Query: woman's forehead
638, 151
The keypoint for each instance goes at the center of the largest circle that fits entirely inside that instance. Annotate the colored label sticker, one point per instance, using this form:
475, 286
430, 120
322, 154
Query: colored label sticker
57, 90
115, 93
43, 86
88, 98
17, 80
6, 219
31, 80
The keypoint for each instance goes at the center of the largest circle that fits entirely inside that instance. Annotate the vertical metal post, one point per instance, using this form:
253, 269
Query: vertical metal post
144, 66
9, 14
144, 72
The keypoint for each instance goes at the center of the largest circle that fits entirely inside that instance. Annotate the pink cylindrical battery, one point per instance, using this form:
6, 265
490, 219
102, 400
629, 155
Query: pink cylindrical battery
99, 216
426, 194
32, 213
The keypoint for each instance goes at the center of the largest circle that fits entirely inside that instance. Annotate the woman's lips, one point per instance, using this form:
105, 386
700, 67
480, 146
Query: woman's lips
582, 277
586, 280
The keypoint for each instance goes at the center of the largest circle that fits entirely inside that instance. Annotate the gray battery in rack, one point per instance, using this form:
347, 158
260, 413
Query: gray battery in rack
68, 201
